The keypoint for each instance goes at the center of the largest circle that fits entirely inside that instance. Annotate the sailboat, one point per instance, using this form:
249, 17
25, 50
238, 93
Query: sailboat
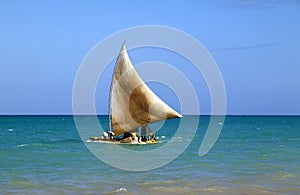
132, 106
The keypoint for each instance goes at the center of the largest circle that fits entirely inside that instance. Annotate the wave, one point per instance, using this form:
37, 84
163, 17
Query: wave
47, 143
117, 191
25, 145
294, 139
69, 140
22, 145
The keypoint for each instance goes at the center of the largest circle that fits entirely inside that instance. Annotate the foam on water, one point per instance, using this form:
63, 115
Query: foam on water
117, 191
22, 145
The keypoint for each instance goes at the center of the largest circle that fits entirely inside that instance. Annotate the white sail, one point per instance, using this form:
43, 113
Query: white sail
132, 103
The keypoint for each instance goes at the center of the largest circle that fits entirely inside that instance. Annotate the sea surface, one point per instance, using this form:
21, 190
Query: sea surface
253, 155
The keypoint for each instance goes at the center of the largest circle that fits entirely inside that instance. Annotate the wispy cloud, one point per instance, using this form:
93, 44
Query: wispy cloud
247, 46
256, 4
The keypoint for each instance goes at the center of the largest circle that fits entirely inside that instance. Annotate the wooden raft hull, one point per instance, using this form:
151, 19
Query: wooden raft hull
98, 139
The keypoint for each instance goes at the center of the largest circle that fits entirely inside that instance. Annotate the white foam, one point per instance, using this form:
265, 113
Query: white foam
117, 191
121, 190
22, 145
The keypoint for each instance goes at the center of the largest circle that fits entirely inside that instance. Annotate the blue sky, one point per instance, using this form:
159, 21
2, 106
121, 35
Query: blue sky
256, 45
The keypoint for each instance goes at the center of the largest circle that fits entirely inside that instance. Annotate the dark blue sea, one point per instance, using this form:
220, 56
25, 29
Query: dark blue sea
253, 155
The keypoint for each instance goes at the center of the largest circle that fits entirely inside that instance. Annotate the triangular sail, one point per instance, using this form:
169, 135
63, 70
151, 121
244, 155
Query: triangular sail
132, 103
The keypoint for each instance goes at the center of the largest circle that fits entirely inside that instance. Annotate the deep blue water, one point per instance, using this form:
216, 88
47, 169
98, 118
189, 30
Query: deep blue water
253, 155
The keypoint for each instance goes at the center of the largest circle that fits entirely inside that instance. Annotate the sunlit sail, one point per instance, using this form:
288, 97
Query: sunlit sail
132, 104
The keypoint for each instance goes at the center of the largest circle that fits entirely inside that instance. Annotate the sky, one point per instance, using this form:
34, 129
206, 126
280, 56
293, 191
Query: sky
255, 44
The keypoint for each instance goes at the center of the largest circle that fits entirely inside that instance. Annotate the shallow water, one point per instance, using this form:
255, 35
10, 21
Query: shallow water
253, 155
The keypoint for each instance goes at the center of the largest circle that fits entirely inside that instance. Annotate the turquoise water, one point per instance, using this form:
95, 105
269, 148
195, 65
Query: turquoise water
253, 155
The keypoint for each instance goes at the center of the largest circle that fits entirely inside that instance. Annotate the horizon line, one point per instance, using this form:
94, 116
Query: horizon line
205, 114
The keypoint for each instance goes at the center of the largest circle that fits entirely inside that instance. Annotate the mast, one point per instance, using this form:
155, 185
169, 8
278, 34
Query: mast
110, 92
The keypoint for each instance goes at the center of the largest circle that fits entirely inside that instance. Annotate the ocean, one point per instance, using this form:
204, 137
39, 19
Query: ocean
253, 155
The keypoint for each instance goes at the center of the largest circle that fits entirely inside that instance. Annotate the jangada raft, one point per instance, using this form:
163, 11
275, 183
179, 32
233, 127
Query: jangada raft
132, 106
